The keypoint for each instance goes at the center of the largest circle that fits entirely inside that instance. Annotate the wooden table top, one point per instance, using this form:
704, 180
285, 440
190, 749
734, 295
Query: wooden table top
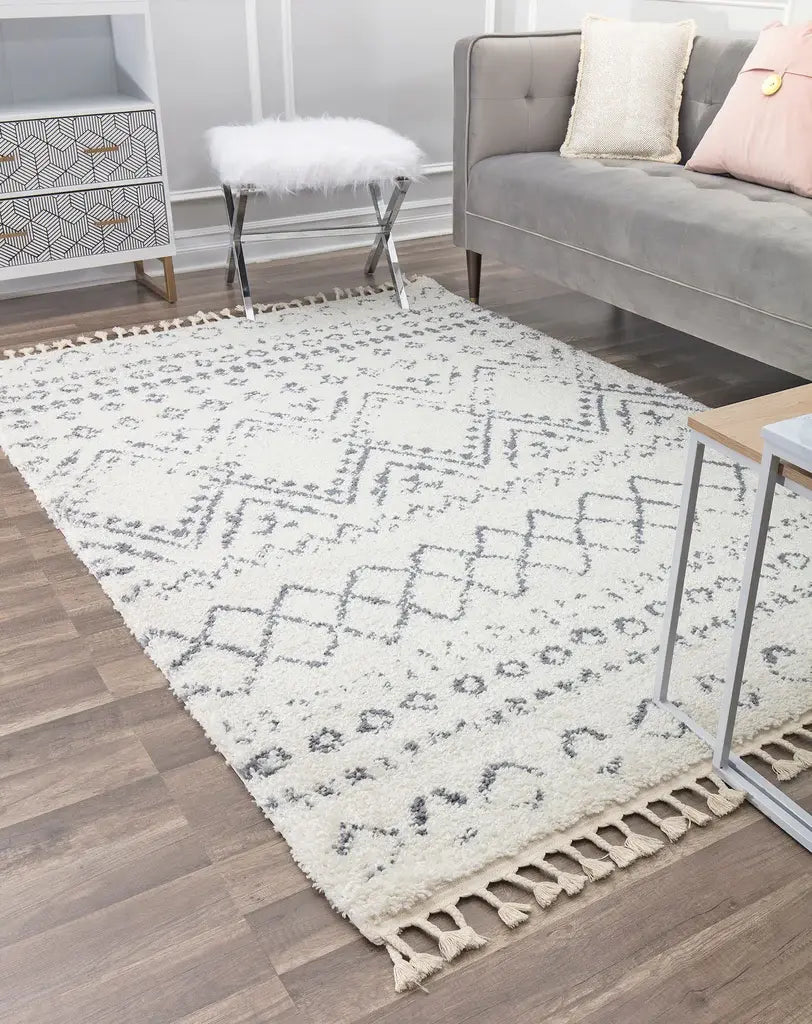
739, 426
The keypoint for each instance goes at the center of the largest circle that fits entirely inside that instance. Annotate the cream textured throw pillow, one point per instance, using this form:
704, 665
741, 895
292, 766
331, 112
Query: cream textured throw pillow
629, 90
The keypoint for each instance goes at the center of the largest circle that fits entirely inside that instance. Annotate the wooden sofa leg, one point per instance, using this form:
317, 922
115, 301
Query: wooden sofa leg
474, 260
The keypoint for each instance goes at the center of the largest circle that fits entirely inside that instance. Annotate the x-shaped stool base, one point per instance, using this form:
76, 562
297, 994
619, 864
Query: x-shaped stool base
384, 241
384, 244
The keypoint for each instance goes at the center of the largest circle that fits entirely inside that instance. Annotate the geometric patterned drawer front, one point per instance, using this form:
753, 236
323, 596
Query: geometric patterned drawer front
89, 149
38, 229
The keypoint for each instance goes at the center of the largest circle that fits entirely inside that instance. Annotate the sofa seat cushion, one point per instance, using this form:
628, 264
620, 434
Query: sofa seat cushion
731, 239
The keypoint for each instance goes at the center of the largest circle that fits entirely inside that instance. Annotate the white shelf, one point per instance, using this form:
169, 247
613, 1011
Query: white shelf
65, 108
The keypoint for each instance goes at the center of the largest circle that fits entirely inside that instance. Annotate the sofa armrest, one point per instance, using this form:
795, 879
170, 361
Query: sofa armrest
512, 94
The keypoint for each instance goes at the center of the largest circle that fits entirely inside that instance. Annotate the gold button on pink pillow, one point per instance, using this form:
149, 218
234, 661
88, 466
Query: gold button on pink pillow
763, 131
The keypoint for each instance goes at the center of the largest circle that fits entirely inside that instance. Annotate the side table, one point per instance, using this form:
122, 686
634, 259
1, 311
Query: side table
775, 434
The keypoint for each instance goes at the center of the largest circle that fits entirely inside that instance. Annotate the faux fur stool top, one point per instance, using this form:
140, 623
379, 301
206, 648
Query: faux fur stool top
321, 153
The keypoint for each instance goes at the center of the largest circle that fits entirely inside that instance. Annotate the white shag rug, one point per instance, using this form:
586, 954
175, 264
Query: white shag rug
407, 570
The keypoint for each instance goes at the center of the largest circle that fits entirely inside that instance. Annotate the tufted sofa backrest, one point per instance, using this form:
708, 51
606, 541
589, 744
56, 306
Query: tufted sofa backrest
515, 93
715, 63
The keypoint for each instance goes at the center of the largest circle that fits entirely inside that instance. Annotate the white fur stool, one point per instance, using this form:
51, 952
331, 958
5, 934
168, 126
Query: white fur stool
284, 157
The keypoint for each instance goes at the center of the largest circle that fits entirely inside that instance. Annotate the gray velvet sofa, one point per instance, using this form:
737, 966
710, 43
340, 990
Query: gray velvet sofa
724, 260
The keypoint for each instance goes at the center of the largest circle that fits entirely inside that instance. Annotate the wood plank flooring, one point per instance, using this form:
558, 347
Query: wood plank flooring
138, 881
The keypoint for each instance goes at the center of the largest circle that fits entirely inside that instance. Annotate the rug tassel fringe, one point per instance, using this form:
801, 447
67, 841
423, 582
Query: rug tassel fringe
510, 914
673, 828
725, 799
694, 816
621, 856
801, 756
412, 968
452, 943
197, 319
409, 967
593, 868
544, 893
570, 883
783, 769
641, 845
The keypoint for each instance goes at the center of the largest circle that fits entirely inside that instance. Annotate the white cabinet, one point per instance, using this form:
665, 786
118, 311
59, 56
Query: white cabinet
82, 161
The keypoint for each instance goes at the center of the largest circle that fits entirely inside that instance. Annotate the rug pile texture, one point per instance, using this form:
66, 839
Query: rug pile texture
408, 570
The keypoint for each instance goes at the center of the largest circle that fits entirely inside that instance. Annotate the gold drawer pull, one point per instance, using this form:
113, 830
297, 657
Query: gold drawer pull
110, 222
112, 148
7, 158
6, 235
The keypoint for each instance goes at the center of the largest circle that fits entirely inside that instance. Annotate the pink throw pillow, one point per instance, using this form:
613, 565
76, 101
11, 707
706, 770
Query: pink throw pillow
763, 131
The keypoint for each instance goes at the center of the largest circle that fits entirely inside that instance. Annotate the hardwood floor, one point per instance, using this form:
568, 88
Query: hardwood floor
138, 881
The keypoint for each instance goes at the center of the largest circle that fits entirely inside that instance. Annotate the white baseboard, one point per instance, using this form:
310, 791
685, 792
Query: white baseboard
204, 248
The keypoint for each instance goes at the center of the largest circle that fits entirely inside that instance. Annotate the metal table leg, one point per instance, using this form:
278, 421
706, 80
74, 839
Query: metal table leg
676, 583
769, 799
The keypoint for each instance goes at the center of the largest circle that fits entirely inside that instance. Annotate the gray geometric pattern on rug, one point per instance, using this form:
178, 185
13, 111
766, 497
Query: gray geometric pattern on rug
408, 572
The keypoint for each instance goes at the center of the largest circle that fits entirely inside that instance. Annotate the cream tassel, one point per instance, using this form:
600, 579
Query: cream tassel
643, 846
571, 884
426, 964
452, 943
622, 856
405, 974
725, 800
544, 893
783, 769
717, 803
691, 813
674, 827
593, 868
800, 755
473, 939
510, 914
420, 965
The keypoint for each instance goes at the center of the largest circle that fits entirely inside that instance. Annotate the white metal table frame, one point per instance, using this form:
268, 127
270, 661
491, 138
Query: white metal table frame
735, 771
384, 244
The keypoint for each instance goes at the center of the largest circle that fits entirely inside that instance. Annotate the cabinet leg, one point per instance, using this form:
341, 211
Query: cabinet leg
169, 290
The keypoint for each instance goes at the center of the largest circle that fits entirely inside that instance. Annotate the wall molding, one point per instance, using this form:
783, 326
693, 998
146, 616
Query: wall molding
189, 195
288, 78
204, 248
759, 5
253, 59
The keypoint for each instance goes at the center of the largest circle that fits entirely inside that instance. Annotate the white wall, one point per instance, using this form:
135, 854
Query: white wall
236, 60
545, 15
721, 16
712, 16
